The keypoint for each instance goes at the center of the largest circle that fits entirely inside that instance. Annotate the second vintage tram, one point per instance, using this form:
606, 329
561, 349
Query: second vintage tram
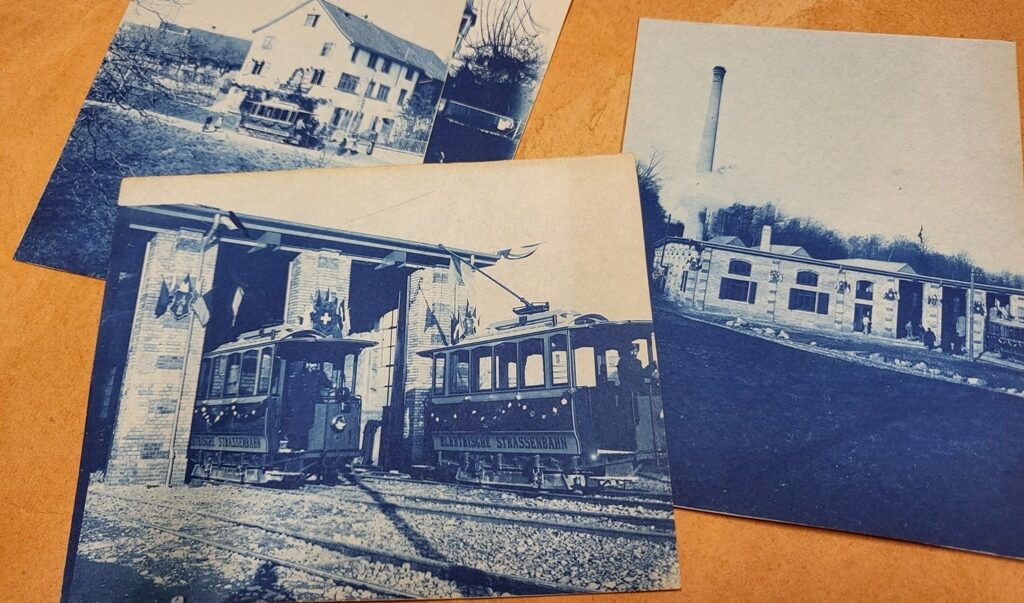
276, 407
555, 401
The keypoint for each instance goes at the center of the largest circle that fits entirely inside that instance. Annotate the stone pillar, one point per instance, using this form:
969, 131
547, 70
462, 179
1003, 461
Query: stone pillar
931, 309
772, 287
162, 366
889, 307
310, 271
978, 332
433, 297
843, 288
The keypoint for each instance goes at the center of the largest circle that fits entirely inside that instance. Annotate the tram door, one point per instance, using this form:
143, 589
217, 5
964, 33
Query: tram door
318, 411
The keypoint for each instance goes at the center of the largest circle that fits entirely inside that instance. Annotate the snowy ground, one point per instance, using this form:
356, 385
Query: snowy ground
119, 554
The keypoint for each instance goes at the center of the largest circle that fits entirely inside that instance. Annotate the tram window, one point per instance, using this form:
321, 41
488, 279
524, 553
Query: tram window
266, 364
439, 374
559, 360
531, 362
350, 371
458, 376
231, 379
611, 362
643, 355
586, 368
217, 381
483, 372
204, 379
247, 379
506, 356
275, 377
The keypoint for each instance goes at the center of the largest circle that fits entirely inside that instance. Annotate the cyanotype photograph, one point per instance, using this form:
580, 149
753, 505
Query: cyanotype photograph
835, 237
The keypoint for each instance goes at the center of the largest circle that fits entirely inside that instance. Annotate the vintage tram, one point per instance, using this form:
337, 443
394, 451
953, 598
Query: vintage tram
557, 401
275, 407
1005, 337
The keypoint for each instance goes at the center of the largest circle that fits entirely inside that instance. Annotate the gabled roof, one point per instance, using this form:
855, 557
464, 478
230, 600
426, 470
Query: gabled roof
878, 265
369, 36
790, 250
727, 240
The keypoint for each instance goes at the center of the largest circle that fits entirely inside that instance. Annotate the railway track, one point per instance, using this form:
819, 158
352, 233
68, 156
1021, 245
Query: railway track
442, 570
625, 498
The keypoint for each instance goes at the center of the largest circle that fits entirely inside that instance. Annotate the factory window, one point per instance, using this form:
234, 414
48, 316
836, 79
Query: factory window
458, 376
737, 290
505, 356
217, 376
204, 379
804, 300
739, 267
232, 375
439, 374
312, 20
247, 377
483, 369
531, 362
559, 360
865, 290
266, 366
807, 278
348, 83
318, 77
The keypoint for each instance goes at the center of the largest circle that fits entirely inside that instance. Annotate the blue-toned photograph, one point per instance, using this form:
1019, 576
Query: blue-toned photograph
835, 238
217, 86
349, 408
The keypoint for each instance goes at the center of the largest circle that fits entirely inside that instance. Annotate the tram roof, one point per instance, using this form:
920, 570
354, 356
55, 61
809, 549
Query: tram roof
547, 322
292, 335
297, 237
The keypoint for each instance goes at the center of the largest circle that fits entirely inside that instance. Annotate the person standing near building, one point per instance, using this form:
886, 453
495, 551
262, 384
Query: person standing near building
928, 336
961, 334
866, 323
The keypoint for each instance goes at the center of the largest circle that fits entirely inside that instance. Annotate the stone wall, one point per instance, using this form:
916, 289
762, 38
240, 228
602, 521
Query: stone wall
311, 271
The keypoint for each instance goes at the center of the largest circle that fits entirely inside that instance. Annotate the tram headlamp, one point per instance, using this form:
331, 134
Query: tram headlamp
338, 423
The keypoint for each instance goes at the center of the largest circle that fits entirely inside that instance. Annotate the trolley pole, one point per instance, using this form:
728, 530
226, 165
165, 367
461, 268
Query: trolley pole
970, 319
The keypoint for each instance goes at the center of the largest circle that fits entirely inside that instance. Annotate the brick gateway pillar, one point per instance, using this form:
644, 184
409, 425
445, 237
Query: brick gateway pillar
162, 366
313, 271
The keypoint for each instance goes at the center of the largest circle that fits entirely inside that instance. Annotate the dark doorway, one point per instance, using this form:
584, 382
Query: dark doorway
860, 311
908, 312
954, 305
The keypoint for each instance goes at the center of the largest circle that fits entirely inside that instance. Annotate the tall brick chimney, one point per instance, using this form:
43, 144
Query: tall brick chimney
766, 238
706, 157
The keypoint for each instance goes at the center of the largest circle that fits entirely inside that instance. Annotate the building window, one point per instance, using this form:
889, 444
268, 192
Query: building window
737, 290
327, 49
440, 277
739, 267
257, 66
348, 83
865, 290
355, 54
318, 77
371, 61
409, 73
807, 278
386, 66
401, 96
312, 20
268, 43
383, 92
247, 380
804, 300
369, 88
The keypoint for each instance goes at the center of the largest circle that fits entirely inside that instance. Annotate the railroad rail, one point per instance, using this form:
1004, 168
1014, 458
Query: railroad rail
458, 573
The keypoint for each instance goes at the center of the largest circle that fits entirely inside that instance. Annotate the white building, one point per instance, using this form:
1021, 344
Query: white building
355, 75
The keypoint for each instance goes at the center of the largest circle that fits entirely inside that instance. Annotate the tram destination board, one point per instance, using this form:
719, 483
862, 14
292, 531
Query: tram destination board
513, 442
230, 443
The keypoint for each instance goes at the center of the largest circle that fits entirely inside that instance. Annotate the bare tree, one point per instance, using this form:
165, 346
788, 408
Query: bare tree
507, 50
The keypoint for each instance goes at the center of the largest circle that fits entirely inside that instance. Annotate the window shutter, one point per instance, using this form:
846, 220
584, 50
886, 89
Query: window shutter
752, 296
823, 303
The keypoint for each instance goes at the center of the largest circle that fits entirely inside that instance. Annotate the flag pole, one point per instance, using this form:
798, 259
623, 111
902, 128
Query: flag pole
488, 276
172, 455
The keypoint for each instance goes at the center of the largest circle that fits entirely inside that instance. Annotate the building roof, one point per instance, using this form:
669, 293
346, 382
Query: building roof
878, 265
790, 250
369, 36
174, 42
727, 240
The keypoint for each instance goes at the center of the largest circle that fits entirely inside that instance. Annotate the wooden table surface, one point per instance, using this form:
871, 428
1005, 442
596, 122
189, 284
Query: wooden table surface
48, 320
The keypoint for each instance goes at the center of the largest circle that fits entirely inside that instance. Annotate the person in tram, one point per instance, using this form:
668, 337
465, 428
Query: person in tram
630, 370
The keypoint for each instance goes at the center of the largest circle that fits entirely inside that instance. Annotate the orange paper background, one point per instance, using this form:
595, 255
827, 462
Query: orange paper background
48, 320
